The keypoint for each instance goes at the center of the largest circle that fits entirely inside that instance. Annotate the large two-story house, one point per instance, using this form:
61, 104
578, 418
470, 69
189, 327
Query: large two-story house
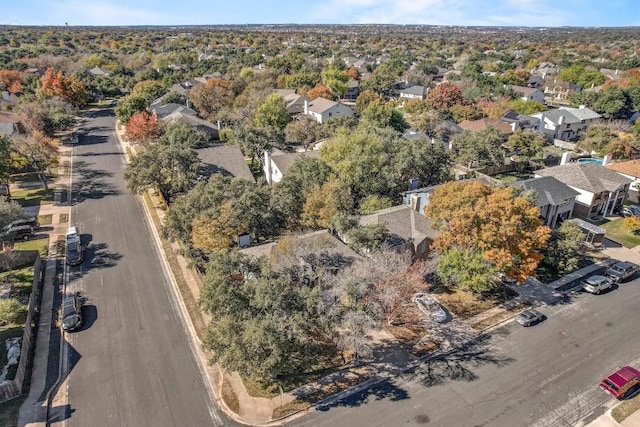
323, 109
555, 199
602, 191
565, 123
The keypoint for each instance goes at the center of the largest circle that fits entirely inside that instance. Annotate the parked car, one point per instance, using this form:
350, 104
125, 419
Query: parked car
72, 233
530, 317
621, 271
621, 381
430, 306
596, 284
18, 232
74, 252
630, 210
33, 222
71, 313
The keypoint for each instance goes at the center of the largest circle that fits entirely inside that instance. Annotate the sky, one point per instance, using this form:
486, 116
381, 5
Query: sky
530, 13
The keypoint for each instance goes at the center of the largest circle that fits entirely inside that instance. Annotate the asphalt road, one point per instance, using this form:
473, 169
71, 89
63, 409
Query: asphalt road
131, 363
546, 375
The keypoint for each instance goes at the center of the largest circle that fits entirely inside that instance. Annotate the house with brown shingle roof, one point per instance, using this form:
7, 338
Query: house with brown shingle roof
407, 225
484, 123
602, 190
631, 170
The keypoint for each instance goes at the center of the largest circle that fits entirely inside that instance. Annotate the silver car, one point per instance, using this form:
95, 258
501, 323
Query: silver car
428, 305
596, 284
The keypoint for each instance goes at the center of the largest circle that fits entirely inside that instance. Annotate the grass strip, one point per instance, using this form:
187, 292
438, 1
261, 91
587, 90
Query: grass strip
626, 408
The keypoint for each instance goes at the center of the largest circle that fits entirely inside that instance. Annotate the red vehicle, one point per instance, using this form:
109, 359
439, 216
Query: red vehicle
621, 381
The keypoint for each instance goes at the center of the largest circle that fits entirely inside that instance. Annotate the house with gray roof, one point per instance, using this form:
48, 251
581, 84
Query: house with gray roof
529, 93
602, 191
193, 121
565, 123
520, 121
555, 199
293, 101
323, 109
163, 110
97, 71
407, 227
413, 92
224, 159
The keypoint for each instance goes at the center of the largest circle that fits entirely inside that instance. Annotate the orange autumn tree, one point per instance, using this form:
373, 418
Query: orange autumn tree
69, 88
503, 226
11, 80
142, 127
319, 91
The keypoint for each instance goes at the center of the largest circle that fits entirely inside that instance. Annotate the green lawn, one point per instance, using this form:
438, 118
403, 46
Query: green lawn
617, 232
33, 196
40, 245
9, 411
22, 277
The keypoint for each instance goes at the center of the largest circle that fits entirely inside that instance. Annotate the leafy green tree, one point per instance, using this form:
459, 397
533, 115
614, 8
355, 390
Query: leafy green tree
129, 106
288, 196
305, 130
336, 80
596, 138
482, 148
324, 203
374, 203
564, 248
529, 143
583, 77
368, 238
9, 211
169, 165
272, 113
149, 90
468, 268
5, 159
12, 311
365, 98
611, 102
254, 140
380, 114
181, 133
526, 107
255, 313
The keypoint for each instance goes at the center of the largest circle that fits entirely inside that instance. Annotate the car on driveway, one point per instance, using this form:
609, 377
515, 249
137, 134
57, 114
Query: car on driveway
530, 317
630, 210
596, 284
71, 313
428, 305
621, 271
621, 381
18, 232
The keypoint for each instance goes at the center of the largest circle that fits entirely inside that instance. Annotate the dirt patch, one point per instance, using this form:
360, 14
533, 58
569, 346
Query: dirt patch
64, 218
625, 408
45, 219
413, 338
229, 396
465, 304
497, 317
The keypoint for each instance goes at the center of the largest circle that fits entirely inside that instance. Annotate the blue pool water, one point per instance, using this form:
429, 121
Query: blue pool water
597, 161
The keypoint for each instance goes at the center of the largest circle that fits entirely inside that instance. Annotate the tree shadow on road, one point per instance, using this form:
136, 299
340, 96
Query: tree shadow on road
100, 257
91, 184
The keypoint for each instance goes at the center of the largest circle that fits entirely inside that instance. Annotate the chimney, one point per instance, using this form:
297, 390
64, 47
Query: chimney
607, 159
267, 166
581, 107
219, 125
566, 157
560, 120
513, 127
188, 103
306, 106
616, 73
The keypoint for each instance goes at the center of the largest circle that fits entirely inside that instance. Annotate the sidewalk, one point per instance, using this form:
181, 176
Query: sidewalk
34, 410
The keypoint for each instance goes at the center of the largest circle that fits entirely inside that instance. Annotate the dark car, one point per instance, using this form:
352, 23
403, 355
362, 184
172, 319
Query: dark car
33, 222
621, 381
74, 252
18, 232
621, 271
529, 317
71, 313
